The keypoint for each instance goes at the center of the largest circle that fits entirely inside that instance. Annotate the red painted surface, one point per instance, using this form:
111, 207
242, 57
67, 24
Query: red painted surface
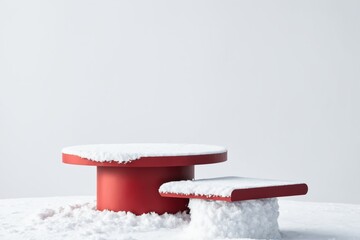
250, 193
163, 161
136, 189
269, 192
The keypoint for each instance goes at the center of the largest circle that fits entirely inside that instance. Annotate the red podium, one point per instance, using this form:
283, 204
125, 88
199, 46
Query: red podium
134, 186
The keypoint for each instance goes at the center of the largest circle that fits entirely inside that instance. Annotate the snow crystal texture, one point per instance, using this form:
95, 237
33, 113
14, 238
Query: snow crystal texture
217, 186
129, 152
255, 219
86, 221
75, 218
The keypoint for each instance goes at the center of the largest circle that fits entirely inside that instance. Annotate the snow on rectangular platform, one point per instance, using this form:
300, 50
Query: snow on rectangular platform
232, 189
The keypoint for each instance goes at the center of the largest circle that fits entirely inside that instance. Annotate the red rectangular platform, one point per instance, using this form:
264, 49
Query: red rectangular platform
232, 189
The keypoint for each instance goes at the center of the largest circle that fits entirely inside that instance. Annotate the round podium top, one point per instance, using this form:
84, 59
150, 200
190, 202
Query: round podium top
143, 155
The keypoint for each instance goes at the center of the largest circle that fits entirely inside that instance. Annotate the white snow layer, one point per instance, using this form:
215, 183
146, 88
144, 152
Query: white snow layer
81, 220
74, 218
128, 152
222, 186
86, 216
255, 219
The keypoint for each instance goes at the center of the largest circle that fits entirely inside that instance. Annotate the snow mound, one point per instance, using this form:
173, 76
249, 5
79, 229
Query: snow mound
86, 221
23, 218
222, 186
128, 152
256, 219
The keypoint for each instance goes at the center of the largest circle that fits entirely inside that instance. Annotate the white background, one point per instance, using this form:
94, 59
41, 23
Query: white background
276, 82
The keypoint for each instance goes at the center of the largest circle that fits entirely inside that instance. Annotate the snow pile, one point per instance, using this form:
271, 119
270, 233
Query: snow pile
75, 218
255, 219
217, 186
209, 220
128, 152
85, 221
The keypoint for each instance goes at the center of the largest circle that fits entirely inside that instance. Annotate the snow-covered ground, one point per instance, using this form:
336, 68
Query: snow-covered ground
76, 218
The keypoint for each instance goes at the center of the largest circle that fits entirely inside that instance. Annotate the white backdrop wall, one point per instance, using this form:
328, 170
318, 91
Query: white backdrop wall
277, 82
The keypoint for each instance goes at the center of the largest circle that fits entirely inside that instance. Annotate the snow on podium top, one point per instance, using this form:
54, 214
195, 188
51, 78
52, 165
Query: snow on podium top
123, 153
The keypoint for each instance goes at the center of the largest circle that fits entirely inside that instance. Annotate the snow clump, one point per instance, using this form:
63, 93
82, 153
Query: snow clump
256, 219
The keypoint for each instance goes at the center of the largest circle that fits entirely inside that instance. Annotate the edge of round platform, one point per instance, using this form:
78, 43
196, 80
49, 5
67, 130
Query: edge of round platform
159, 161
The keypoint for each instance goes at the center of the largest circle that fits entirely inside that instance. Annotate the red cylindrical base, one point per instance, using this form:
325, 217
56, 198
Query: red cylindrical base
137, 189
